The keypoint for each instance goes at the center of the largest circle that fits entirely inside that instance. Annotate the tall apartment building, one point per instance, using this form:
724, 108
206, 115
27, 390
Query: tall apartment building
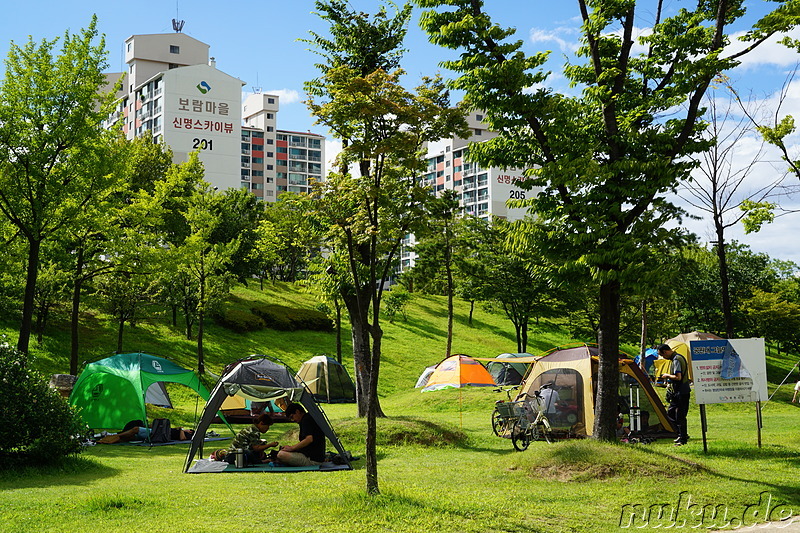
283, 160
482, 192
173, 92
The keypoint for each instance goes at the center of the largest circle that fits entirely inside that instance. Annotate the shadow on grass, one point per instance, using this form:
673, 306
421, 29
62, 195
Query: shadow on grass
71, 471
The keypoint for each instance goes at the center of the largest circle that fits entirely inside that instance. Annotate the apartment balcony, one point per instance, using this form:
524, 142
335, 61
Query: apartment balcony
245, 177
245, 164
157, 92
483, 183
157, 128
468, 185
315, 158
245, 151
246, 138
297, 143
298, 157
483, 198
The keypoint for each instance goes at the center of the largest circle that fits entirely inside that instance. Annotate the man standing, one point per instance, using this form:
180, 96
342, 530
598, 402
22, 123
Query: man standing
678, 391
310, 450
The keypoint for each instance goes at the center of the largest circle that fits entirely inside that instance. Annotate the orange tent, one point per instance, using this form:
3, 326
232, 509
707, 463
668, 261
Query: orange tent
458, 371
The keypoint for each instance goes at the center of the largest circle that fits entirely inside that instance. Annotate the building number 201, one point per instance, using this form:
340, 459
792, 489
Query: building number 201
517, 195
203, 144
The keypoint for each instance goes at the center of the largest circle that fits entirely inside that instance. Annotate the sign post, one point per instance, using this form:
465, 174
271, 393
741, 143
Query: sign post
729, 371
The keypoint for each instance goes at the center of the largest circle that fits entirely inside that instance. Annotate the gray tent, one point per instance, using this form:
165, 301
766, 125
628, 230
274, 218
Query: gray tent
508, 373
258, 378
327, 380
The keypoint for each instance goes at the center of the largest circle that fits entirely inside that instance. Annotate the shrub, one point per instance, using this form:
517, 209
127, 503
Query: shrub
239, 320
38, 424
290, 319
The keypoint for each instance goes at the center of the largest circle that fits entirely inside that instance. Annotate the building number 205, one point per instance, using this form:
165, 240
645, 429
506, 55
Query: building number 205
203, 144
517, 195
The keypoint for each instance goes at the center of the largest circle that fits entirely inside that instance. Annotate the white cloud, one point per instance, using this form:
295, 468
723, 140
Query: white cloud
771, 52
287, 96
557, 36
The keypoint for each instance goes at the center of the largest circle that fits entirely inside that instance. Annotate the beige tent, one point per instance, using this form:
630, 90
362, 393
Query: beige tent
572, 373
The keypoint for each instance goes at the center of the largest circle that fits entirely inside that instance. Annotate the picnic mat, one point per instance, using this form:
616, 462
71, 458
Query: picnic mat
208, 466
168, 443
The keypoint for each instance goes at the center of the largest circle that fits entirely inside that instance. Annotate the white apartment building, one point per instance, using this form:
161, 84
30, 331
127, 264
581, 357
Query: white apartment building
481, 192
173, 92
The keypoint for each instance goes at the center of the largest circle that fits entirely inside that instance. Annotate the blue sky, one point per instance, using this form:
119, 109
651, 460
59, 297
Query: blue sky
258, 42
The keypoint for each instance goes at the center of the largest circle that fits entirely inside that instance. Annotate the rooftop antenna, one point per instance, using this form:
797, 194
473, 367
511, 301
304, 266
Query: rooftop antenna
177, 24
257, 87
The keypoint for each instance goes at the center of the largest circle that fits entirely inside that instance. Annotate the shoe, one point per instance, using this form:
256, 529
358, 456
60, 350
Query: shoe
682, 440
679, 443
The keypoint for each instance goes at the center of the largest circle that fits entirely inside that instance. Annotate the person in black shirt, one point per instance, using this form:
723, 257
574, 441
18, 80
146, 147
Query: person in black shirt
678, 391
310, 450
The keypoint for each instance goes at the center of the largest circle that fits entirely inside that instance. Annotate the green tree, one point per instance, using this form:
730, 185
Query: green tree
383, 128
53, 149
719, 188
435, 249
515, 278
288, 238
605, 157
770, 316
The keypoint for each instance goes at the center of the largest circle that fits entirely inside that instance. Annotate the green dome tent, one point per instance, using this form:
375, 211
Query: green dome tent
111, 392
508, 372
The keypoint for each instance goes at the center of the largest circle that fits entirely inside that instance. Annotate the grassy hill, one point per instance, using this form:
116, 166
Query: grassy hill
440, 467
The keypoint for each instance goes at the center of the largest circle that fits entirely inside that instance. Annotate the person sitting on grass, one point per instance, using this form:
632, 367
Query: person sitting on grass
249, 439
311, 448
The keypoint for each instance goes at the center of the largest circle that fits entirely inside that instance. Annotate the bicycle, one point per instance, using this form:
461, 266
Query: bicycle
530, 423
503, 416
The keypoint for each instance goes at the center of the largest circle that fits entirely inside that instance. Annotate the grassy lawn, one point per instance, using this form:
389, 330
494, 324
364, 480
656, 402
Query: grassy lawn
440, 466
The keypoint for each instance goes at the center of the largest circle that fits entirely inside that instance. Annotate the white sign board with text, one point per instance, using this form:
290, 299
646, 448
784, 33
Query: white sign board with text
729, 371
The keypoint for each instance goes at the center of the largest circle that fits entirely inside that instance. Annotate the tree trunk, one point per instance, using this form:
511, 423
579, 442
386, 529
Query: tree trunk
643, 338
120, 330
74, 326
174, 316
606, 406
373, 411
524, 337
725, 283
338, 332
201, 364
28, 301
471, 309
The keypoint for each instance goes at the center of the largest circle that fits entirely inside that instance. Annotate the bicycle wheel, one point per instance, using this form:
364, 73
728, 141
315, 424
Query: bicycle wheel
519, 437
497, 423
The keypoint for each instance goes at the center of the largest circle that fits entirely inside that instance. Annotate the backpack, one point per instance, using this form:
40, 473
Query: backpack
160, 431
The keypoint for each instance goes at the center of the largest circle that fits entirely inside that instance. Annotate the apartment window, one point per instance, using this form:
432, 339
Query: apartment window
269, 141
270, 116
270, 154
281, 137
258, 160
129, 47
282, 150
174, 49
478, 131
258, 173
268, 193
258, 134
270, 128
173, 65
479, 118
269, 167
270, 100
